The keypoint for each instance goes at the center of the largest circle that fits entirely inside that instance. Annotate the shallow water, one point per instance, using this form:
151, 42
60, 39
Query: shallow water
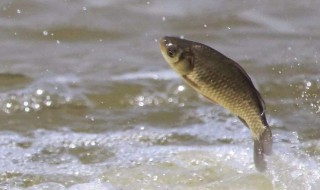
87, 101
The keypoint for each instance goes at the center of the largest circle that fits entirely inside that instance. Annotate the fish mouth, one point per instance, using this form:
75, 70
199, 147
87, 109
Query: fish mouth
163, 43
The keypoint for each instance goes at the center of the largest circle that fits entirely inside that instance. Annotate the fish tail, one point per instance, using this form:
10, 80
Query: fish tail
262, 146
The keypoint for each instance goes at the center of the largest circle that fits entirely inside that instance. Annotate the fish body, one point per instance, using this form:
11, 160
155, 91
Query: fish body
225, 82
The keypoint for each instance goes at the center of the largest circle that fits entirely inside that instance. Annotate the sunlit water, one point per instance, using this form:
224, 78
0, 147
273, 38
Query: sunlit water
87, 101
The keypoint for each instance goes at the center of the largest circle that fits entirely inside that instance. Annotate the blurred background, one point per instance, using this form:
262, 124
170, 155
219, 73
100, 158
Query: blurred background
88, 102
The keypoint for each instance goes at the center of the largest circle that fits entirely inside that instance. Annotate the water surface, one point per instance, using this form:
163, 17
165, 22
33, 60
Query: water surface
87, 101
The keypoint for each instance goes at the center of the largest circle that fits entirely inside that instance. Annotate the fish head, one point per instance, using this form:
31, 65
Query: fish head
177, 52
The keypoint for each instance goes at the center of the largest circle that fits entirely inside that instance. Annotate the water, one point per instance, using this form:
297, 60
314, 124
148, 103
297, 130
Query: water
87, 101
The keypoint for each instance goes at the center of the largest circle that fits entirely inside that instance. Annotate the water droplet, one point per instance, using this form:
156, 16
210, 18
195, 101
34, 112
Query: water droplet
163, 18
48, 103
8, 105
36, 106
155, 178
140, 98
228, 27
58, 41
18, 11
39, 92
309, 84
181, 88
181, 104
25, 103
148, 2
205, 25
181, 37
84, 8
45, 33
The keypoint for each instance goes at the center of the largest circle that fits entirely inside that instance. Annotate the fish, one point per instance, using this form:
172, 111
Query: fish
224, 82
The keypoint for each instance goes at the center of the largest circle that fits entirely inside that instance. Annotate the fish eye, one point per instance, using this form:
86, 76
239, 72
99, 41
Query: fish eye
171, 52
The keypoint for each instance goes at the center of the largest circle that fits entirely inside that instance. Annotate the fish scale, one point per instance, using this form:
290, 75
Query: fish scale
227, 93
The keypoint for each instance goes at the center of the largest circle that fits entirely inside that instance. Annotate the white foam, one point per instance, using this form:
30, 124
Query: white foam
155, 75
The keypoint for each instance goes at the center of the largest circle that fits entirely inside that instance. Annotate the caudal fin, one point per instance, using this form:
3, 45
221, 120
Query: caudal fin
262, 146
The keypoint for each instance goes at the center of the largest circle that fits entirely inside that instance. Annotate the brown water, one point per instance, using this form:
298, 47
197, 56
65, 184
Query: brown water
87, 101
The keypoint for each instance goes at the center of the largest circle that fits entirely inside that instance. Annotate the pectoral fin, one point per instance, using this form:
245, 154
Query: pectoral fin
212, 101
190, 82
243, 121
